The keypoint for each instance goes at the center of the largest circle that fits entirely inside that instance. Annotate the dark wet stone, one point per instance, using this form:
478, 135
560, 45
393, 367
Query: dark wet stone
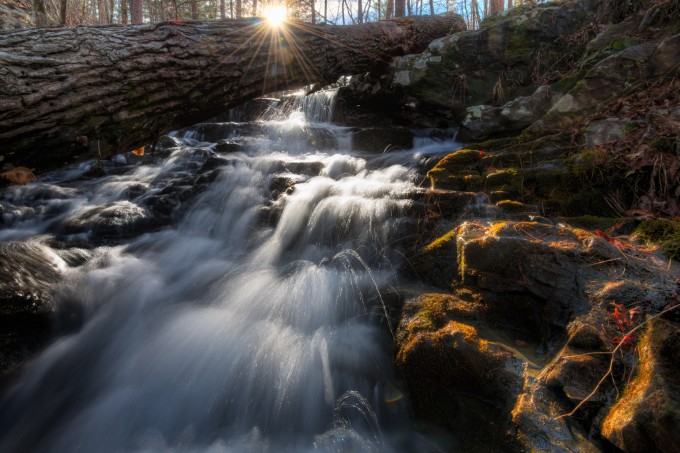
228, 146
29, 274
380, 139
113, 221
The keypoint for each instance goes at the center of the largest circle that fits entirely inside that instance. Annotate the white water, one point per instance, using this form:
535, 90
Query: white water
221, 331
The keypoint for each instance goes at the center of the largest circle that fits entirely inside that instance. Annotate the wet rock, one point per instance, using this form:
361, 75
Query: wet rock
381, 139
445, 361
647, 416
214, 132
280, 184
228, 146
29, 274
110, 222
252, 110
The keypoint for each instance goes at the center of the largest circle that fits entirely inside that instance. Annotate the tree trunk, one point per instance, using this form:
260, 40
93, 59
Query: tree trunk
136, 11
223, 13
113, 88
40, 13
400, 8
194, 9
62, 13
123, 12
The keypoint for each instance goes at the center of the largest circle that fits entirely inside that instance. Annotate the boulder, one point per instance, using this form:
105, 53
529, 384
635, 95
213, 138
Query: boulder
647, 416
29, 275
228, 146
511, 55
456, 378
608, 78
484, 121
527, 273
109, 222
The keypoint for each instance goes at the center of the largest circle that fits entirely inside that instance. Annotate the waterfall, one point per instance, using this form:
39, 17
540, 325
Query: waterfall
228, 302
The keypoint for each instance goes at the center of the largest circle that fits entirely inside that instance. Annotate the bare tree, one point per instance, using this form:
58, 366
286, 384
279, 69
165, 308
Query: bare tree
62, 12
40, 13
399, 8
136, 11
194, 9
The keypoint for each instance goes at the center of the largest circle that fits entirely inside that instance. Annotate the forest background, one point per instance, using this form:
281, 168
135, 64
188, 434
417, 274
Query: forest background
70, 13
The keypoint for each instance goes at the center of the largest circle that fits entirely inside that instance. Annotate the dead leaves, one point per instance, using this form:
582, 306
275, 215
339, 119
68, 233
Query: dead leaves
18, 175
138, 151
624, 321
649, 149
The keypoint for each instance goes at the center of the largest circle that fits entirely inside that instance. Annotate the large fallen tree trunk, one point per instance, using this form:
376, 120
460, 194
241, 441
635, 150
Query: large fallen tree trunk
104, 89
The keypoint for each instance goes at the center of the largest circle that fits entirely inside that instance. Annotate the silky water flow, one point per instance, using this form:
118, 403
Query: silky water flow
222, 301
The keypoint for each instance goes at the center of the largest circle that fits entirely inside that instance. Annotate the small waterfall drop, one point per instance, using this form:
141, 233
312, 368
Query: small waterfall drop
228, 301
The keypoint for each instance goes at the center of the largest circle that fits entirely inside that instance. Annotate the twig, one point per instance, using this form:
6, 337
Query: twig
611, 362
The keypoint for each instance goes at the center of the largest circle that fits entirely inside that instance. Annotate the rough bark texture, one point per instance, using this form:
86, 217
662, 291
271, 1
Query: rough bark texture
105, 89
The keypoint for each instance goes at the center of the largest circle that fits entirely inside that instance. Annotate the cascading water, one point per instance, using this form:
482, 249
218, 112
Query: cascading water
224, 302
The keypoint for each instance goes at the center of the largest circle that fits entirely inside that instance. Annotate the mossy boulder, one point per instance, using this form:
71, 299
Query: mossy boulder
506, 58
527, 273
609, 78
457, 378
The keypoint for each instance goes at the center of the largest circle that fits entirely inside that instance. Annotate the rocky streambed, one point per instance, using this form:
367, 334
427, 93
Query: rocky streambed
536, 303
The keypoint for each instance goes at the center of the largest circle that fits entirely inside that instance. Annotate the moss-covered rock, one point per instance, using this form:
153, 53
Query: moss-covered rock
445, 361
665, 233
508, 57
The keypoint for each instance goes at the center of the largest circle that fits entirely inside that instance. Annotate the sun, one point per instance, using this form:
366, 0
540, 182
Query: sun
275, 15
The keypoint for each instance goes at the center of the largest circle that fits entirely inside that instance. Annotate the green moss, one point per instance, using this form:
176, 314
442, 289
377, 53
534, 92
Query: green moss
588, 163
515, 206
473, 183
507, 179
441, 241
663, 232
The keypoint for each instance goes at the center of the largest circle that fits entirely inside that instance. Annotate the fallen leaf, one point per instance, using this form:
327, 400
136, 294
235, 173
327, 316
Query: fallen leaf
19, 175
138, 151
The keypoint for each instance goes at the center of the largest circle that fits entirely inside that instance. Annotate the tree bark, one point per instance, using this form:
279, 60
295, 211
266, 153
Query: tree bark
136, 11
107, 89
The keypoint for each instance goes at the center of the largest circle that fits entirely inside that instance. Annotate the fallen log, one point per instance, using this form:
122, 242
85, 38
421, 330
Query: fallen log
98, 90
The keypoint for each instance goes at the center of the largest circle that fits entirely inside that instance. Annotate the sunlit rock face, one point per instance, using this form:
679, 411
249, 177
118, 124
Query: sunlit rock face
527, 315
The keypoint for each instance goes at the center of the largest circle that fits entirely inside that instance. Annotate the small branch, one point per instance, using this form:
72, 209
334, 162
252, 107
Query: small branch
611, 361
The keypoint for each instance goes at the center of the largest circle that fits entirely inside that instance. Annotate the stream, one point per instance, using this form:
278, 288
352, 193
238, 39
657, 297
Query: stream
221, 295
